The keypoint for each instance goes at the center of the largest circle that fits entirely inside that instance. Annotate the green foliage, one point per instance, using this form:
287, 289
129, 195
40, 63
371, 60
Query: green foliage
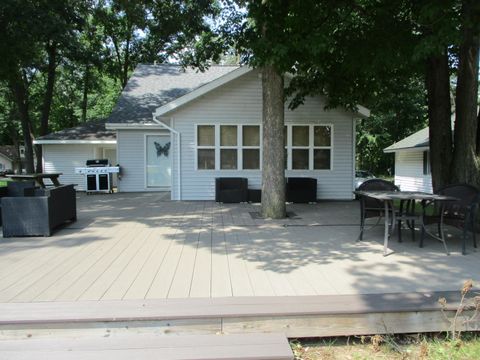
398, 111
97, 45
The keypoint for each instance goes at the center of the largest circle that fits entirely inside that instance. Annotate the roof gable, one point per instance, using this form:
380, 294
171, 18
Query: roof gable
153, 86
418, 140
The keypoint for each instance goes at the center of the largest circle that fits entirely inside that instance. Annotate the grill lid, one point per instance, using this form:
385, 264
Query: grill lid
97, 162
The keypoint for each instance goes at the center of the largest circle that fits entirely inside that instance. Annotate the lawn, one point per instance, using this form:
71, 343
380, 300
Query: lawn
406, 347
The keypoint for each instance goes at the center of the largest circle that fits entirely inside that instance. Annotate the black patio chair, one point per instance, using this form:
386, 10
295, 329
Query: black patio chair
15, 189
461, 214
373, 208
301, 190
231, 190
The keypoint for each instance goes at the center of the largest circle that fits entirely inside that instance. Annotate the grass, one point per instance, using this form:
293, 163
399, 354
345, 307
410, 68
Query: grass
405, 347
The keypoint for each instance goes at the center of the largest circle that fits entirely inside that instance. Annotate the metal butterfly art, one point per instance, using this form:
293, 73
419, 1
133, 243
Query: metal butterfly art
162, 149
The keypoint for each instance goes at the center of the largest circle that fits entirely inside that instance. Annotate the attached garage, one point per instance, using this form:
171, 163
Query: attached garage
65, 150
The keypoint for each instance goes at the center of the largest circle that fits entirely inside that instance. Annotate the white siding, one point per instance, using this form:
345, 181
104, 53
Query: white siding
240, 102
131, 157
409, 172
5, 164
65, 158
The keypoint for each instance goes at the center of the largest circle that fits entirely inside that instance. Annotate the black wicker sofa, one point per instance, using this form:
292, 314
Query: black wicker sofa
39, 214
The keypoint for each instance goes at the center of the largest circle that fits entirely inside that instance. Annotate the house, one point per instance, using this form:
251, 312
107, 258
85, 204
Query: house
10, 159
177, 130
412, 162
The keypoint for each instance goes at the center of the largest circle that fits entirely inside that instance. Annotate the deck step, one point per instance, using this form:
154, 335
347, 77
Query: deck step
149, 346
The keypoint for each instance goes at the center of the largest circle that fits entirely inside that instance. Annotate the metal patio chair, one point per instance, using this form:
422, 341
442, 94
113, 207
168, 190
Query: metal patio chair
371, 208
461, 214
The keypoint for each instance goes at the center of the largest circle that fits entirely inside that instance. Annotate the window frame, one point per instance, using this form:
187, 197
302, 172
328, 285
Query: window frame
205, 147
311, 146
218, 147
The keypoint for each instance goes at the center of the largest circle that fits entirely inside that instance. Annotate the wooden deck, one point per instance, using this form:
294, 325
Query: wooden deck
142, 246
139, 264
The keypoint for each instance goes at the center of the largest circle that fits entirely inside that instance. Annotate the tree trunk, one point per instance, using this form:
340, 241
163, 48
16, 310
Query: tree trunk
439, 114
17, 166
465, 162
47, 101
478, 133
17, 86
85, 93
273, 174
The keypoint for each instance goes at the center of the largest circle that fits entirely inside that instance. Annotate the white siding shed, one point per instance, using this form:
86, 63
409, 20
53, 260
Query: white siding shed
409, 174
64, 158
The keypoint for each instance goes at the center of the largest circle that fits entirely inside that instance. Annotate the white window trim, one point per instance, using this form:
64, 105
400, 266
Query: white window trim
217, 147
311, 147
206, 147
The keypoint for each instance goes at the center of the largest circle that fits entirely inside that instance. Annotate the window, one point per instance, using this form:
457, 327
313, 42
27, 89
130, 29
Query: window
322, 143
236, 146
251, 147
426, 162
206, 147
300, 147
228, 147
308, 147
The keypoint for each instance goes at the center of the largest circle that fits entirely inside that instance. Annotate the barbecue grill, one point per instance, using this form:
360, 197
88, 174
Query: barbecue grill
98, 175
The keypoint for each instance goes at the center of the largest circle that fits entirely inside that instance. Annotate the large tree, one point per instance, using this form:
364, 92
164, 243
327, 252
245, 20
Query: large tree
350, 51
59, 57
34, 35
150, 30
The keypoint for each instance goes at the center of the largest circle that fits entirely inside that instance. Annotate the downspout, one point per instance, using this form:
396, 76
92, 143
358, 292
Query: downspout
179, 184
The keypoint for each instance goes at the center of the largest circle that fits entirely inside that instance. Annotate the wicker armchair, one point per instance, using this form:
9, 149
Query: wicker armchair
369, 207
461, 214
301, 190
15, 189
231, 190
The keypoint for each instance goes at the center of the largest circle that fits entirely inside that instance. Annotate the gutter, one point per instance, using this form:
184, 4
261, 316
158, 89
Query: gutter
179, 181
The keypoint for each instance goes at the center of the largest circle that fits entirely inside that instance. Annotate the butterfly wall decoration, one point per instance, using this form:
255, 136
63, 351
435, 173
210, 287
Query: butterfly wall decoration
162, 149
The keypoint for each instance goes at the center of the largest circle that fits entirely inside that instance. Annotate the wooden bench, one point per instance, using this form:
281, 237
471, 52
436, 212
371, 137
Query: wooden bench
149, 346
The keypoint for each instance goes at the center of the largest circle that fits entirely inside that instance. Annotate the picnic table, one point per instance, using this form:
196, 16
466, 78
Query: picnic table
38, 177
388, 198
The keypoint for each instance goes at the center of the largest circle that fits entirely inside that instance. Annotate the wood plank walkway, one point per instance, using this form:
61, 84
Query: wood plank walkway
142, 246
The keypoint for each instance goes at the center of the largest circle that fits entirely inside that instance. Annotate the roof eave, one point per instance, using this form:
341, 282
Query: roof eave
413, 148
132, 126
65, 142
363, 111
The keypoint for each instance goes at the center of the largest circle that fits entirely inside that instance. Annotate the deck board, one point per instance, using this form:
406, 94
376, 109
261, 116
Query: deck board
102, 263
119, 286
162, 282
240, 346
182, 282
221, 281
202, 273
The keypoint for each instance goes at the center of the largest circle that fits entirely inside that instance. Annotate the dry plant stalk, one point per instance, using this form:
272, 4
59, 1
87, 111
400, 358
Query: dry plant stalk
466, 304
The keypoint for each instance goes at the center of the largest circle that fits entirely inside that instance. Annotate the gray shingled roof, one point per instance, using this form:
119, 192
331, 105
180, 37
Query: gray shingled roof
152, 86
92, 130
416, 140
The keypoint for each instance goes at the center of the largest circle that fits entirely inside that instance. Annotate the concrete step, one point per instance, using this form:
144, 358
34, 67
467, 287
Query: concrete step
144, 346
